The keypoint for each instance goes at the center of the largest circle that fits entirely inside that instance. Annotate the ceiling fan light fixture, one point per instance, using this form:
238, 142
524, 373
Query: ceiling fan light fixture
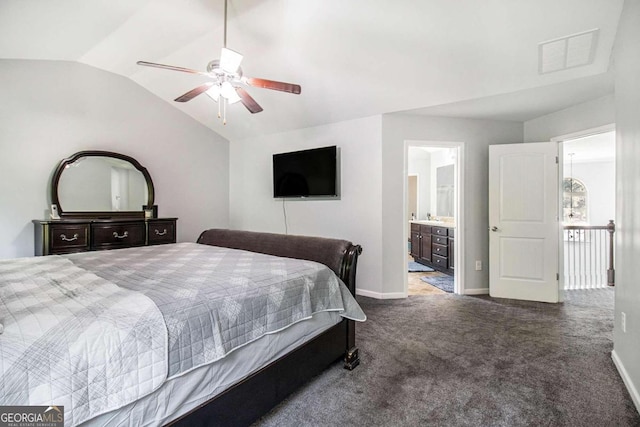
229, 92
214, 92
230, 60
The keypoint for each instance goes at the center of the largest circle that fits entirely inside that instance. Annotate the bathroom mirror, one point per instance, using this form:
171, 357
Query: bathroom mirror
101, 184
445, 190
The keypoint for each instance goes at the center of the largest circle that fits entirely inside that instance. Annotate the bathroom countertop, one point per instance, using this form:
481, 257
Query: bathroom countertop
435, 223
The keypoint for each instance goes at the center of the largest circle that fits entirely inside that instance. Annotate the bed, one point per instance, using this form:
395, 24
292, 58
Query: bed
167, 340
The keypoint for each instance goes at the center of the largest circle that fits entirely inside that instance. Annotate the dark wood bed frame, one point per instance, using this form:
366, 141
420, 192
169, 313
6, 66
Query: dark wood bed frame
254, 396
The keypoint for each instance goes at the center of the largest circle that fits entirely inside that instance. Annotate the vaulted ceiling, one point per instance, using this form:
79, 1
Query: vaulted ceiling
353, 58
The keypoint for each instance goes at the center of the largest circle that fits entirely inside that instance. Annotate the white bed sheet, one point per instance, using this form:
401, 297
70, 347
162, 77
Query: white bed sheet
179, 395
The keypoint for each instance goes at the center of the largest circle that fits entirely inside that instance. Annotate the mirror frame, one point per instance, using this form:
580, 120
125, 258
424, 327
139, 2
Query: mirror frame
55, 181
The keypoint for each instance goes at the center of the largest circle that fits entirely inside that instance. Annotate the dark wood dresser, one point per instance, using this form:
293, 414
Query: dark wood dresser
90, 234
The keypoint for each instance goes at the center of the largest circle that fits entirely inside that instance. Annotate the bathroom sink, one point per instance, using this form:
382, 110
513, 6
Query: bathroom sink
435, 222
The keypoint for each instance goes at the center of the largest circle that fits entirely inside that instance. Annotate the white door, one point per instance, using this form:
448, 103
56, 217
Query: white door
523, 221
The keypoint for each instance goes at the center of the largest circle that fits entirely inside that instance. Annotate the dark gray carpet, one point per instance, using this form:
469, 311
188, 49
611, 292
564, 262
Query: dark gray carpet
448, 360
441, 282
415, 267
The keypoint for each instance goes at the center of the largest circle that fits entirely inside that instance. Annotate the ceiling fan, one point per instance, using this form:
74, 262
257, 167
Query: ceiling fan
227, 80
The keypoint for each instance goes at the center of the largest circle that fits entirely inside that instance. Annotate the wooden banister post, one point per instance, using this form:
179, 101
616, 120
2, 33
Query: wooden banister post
611, 274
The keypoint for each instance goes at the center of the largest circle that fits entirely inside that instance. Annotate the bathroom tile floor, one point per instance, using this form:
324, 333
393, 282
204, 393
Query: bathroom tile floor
418, 287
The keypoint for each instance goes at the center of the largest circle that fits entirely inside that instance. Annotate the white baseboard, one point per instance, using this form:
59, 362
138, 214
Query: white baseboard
380, 295
481, 291
633, 391
398, 295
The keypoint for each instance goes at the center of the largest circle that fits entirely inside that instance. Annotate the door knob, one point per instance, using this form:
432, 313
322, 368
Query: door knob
494, 228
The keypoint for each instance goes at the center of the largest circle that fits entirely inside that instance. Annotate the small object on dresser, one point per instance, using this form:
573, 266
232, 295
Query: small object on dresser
150, 211
54, 212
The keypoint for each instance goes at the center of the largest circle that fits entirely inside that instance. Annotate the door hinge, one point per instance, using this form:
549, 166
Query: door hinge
557, 160
558, 276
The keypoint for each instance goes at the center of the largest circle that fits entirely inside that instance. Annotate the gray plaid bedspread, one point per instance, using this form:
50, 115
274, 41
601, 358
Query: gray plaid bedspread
215, 299
71, 338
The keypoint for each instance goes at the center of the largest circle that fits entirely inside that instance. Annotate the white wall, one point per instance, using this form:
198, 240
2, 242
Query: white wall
52, 109
371, 207
356, 216
588, 115
627, 91
419, 162
600, 180
477, 135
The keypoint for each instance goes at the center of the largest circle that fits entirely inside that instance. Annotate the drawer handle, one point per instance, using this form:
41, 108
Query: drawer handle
159, 233
64, 237
125, 234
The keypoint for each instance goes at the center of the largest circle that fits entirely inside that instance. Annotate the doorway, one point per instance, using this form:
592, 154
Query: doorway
535, 207
587, 210
433, 222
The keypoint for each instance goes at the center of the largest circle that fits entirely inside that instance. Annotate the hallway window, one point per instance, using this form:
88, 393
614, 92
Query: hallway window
574, 200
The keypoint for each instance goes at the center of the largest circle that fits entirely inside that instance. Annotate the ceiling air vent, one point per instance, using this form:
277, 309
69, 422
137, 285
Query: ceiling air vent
571, 51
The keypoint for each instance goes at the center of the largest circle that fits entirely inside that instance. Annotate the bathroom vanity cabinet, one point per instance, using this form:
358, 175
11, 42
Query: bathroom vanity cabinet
433, 246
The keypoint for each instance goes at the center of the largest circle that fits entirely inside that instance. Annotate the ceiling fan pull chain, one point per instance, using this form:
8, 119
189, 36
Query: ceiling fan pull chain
219, 101
224, 111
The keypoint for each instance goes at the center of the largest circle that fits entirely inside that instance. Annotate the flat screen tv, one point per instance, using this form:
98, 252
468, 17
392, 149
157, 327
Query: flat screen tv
307, 173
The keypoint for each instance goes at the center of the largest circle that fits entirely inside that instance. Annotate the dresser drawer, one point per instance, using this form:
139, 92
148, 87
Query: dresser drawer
439, 261
440, 231
66, 238
439, 240
441, 250
117, 235
161, 232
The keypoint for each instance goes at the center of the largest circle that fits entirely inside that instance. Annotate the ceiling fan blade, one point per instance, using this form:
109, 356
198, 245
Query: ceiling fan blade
230, 60
194, 92
248, 101
172, 68
271, 84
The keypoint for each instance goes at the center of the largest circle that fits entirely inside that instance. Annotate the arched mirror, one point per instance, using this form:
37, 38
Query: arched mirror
101, 184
